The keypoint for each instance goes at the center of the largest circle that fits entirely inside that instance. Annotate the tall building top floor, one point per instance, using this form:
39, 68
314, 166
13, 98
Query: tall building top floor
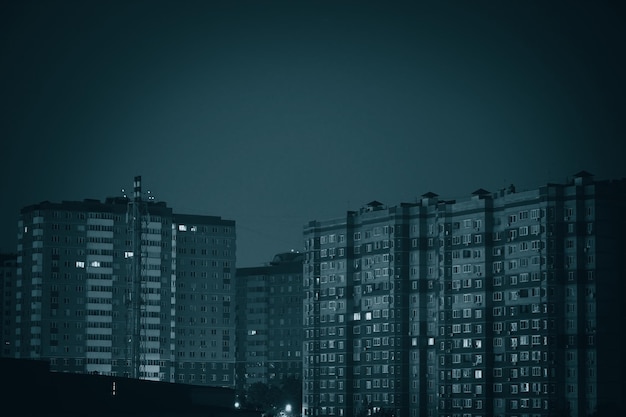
582, 185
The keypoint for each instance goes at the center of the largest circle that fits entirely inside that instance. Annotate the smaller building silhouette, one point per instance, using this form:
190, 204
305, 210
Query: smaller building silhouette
8, 267
269, 321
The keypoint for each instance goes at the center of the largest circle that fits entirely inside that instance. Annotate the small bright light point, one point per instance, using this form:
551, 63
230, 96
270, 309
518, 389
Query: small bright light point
288, 408
237, 405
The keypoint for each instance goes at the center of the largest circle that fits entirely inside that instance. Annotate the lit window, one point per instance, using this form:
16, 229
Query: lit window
80, 264
182, 228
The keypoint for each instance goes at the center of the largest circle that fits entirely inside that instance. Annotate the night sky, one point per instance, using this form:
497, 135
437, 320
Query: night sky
273, 114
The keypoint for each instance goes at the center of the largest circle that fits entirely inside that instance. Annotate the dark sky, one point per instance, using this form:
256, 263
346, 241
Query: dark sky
273, 114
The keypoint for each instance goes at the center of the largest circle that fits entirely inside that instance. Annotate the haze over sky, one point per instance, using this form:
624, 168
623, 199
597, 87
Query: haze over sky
273, 114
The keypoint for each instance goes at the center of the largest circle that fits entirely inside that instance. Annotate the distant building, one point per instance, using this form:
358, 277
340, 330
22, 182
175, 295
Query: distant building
8, 268
205, 300
505, 303
269, 300
126, 287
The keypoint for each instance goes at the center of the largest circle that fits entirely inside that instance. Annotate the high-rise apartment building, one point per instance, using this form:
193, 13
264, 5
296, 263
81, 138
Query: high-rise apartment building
356, 341
269, 300
125, 287
205, 300
504, 303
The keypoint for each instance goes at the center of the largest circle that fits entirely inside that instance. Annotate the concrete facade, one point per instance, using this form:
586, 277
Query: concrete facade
501, 304
270, 321
75, 288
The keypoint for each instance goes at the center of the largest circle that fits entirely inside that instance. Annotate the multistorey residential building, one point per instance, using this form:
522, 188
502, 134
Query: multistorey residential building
8, 268
269, 322
356, 346
507, 304
125, 287
205, 299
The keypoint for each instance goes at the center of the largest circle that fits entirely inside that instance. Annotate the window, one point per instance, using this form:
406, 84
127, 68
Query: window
534, 214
